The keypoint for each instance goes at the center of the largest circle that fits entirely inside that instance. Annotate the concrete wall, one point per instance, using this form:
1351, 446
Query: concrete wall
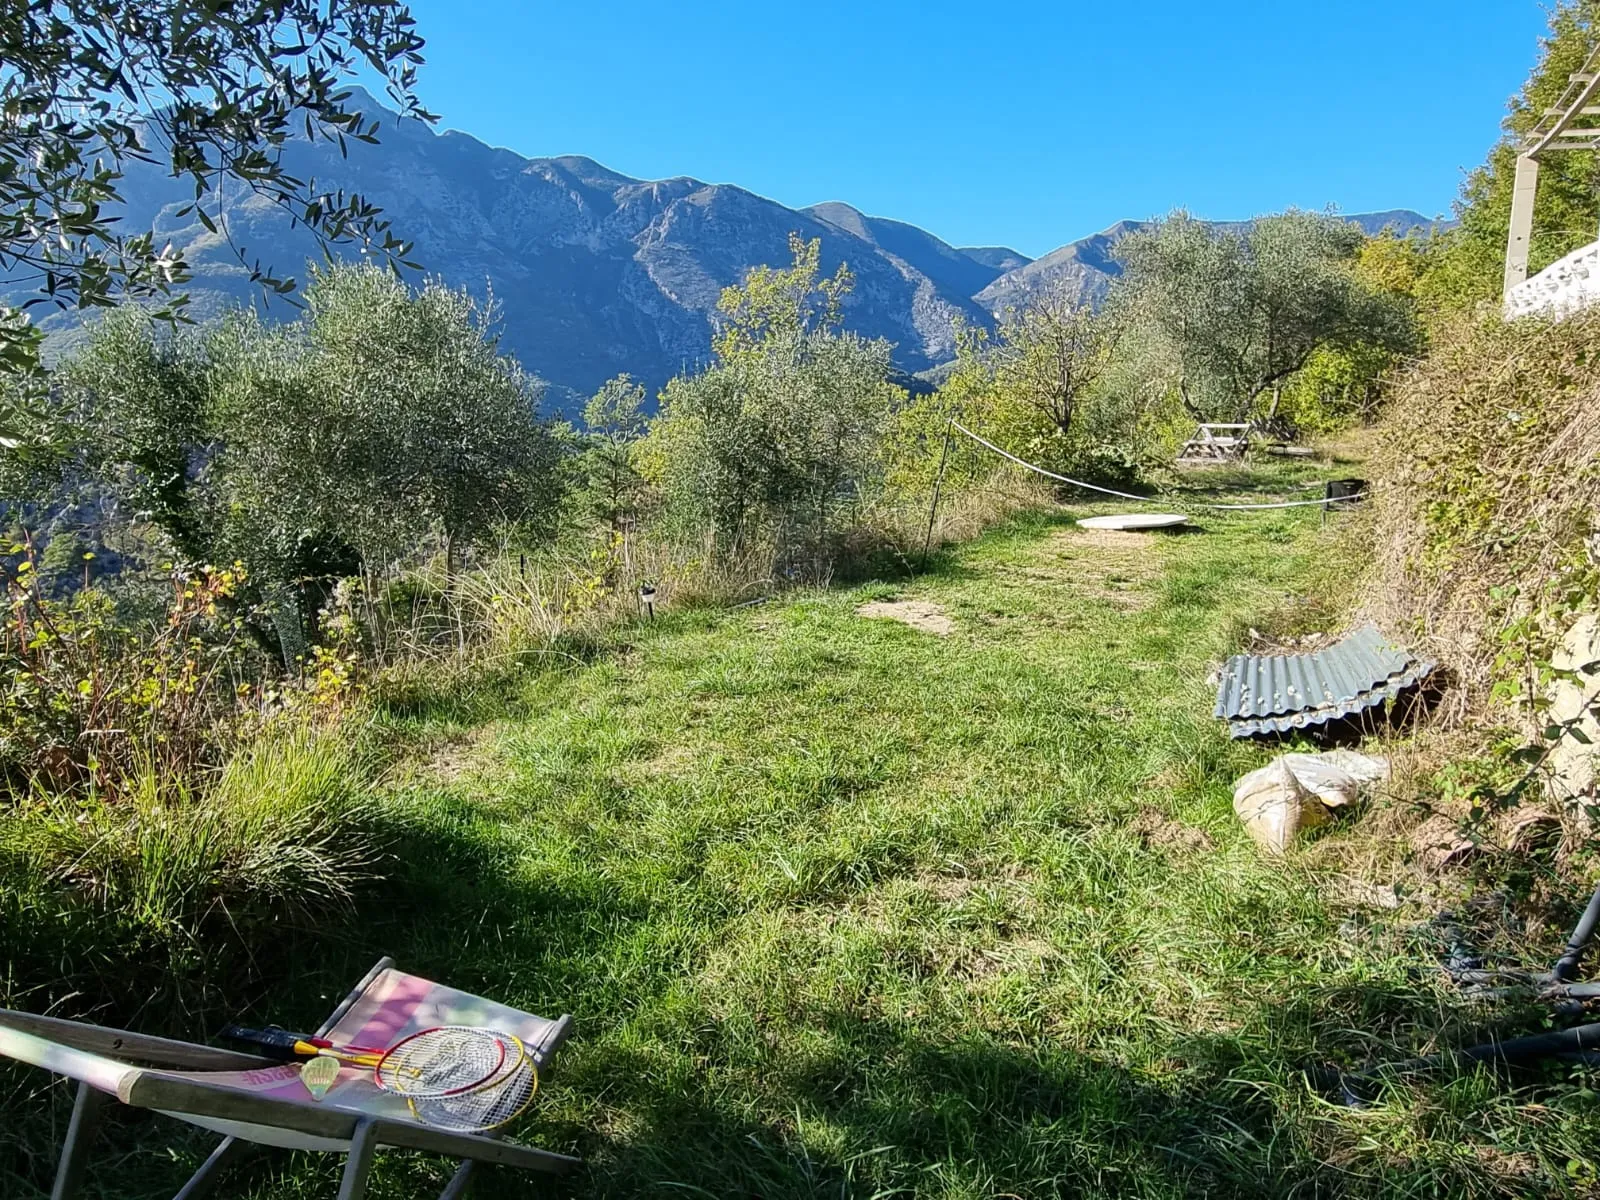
1569, 283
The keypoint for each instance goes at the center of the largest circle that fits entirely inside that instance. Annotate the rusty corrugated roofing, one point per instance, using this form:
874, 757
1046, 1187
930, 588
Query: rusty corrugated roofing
1274, 693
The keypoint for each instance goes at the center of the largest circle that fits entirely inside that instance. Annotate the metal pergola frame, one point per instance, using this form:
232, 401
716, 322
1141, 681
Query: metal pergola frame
1558, 128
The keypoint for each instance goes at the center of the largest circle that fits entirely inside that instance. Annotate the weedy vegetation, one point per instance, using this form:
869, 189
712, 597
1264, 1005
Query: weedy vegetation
887, 847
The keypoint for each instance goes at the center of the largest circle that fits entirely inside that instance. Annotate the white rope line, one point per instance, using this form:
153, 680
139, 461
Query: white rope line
1145, 499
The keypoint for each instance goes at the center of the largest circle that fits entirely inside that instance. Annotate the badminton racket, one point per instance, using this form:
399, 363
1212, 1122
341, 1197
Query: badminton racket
491, 1104
431, 1064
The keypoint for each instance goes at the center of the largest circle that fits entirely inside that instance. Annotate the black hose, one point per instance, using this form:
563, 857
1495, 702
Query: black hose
1358, 1092
1567, 965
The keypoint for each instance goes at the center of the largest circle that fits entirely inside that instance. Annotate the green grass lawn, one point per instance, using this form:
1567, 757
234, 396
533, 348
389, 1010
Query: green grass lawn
844, 907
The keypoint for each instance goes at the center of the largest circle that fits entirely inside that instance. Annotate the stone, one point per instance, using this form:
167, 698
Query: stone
1570, 774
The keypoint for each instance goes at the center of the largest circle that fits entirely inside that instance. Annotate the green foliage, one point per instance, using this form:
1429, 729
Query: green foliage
1488, 489
167, 889
138, 413
1468, 264
614, 421
91, 702
302, 450
217, 90
441, 428
1237, 313
776, 302
1336, 388
1345, 385
33, 458
786, 428
1051, 356
1048, 387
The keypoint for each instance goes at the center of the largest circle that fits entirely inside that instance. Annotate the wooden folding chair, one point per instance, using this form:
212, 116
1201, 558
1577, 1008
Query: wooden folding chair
257, 1101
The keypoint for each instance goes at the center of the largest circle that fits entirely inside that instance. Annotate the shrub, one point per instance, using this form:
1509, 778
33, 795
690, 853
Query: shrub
154, 887
91, 702
1486, 496
784, 432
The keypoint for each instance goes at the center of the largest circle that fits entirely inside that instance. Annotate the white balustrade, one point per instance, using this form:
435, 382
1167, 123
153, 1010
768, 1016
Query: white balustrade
1564, 286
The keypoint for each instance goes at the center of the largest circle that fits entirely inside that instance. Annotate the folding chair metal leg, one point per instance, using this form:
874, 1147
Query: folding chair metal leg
460, 1181
359, 1163
80, 1132
202, 1181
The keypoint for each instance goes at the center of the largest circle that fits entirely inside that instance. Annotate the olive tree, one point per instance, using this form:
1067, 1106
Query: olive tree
147, 428
787, 426
304, 450
210, 91
1241, 310
444, 427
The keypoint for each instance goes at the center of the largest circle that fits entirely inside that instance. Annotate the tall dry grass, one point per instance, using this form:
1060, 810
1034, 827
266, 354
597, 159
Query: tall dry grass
509, 607
1487, 500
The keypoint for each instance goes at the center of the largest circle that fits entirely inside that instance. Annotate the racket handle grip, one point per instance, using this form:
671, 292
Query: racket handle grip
277, 1043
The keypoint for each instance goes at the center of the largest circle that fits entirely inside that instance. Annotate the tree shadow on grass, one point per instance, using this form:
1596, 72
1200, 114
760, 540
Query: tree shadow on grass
1210, 482
666, 1089
659, 1092
875, 1107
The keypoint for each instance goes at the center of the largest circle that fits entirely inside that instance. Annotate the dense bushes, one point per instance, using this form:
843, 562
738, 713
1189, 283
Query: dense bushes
1489, 491
305, 451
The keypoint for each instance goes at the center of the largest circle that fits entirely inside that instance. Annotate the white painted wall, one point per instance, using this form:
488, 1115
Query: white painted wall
1565, 285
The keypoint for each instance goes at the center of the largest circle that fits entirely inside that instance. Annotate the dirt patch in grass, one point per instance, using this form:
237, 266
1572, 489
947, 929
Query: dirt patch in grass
1108, 539
456, 759
1159, 832
1010, 956
919, 614
948, 889
674, 759
1346, 891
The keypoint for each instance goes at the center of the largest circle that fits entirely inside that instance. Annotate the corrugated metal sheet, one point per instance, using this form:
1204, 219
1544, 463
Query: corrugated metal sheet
1278, 692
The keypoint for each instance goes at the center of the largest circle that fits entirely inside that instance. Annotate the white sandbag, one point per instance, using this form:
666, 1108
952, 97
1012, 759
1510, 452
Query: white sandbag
1336, 777
1367, 769
1275, 807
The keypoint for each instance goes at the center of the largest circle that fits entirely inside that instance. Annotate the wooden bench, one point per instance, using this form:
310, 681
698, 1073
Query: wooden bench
1215, 443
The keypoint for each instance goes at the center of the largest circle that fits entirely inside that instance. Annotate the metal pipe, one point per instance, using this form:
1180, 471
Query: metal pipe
1579, 1039
1567, 965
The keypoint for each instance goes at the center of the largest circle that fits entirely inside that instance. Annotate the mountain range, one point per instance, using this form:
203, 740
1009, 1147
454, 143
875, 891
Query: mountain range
597, 273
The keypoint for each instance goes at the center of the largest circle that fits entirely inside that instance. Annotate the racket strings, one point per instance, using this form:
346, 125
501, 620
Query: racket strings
486, 1107
444, 1061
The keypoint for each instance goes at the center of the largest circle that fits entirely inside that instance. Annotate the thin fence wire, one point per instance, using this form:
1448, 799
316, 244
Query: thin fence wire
1090, 487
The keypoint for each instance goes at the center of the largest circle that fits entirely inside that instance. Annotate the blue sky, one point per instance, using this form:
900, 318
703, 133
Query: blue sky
1022, 124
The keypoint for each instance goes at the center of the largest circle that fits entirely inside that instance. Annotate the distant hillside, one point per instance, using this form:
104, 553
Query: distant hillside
1002, 258
955, 271
1087, 267
597, 272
